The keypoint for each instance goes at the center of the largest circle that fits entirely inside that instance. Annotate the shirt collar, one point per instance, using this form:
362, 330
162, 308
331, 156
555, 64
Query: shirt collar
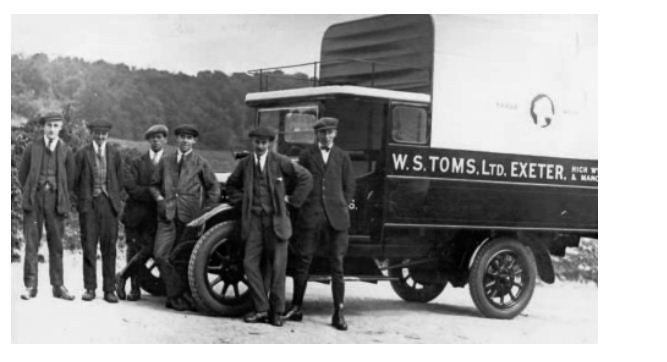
97, 148
53, 146
152, 153
181, 154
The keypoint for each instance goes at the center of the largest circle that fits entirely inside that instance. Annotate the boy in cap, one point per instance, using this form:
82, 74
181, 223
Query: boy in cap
97, 187
45, 175
140, 214
260, 184
177, 188
324, 218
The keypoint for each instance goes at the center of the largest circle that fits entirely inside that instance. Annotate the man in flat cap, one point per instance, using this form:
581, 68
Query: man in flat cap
45, 177
97, 187
324, 218
183, 187
260, 184
140, 214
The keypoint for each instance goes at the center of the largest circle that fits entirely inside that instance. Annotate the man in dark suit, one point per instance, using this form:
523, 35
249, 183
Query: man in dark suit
45, 177
324, 218
184, 187
260, 184
97, 187
140, 214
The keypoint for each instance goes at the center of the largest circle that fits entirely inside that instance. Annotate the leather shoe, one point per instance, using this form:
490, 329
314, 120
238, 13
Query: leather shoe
133, 295
276, 320
120, 286
110, 297
256, 317
88, 295
62, 293
176, 303
29, 293
338, 320
294, 313
187, 298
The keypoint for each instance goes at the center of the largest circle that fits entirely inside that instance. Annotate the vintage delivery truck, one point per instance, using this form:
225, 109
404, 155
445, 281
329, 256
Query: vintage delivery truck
474, 144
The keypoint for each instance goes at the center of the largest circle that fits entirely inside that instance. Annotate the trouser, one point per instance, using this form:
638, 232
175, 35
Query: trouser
307, 241
99, 225
265, 265
168, 235
140, 245
43, 213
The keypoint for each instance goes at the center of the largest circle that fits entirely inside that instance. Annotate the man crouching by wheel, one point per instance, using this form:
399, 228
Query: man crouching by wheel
181, 179
140, 215
262, 184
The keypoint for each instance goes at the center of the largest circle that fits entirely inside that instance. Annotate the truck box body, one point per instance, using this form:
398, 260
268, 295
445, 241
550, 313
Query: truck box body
512, 132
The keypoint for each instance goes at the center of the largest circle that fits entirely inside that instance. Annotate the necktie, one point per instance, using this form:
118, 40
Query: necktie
180, 164
325, 148
50, 144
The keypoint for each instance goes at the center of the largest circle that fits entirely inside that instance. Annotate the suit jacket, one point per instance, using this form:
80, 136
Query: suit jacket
84, 178
189, 194
140, 207
333, 187
31, 166
285, 178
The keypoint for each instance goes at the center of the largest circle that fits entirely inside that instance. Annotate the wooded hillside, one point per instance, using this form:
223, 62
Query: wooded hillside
132, 99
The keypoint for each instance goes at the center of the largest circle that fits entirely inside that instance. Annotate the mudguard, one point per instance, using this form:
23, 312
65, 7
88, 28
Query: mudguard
201, 220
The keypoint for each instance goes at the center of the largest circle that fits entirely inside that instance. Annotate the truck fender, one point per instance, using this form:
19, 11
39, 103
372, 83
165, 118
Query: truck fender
474, 253
545, 268
201, 220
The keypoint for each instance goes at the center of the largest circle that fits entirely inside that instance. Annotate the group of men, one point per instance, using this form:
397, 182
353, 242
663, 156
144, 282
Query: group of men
165, 191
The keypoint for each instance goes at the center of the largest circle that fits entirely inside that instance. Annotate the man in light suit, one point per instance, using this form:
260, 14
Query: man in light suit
324, 218
97, 186
261, 184
184, 187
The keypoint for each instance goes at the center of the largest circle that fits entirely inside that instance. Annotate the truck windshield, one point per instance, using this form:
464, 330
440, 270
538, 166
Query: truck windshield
295, 123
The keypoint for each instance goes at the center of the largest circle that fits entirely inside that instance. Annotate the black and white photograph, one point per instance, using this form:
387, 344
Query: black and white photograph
304, 178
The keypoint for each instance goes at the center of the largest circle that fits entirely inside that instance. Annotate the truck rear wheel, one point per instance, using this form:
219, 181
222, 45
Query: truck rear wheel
502, 278
413, 284
215, 272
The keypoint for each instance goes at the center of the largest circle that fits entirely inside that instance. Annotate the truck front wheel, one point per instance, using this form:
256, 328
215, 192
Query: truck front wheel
502, 278
215, 272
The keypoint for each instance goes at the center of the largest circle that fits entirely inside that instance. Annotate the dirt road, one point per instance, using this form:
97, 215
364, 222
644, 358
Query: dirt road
562, 312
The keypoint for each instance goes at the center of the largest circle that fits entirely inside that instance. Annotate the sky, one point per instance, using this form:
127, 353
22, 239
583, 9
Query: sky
177, 43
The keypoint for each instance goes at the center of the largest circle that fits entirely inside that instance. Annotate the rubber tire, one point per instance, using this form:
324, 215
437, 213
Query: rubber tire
196, 278
478, 269
409, 294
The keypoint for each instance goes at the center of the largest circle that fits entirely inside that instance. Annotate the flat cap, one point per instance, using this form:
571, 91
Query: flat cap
100, 125
263, 132
187, 129
156, 128
326, 123
51, 117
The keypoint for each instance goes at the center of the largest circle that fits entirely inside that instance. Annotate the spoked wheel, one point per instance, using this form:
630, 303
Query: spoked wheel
150, 280
502, 278
415, 284
215, 273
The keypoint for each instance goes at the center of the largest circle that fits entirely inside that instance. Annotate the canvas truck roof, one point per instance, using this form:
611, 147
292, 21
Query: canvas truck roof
259, 97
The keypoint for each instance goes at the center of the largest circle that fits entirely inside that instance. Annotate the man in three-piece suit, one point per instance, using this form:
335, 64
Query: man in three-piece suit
45, 177
183, 187
140, 214
261, 184
97, 187
324, 218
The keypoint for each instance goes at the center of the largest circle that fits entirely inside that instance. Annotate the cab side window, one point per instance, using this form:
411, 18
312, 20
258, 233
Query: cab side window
409, 125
